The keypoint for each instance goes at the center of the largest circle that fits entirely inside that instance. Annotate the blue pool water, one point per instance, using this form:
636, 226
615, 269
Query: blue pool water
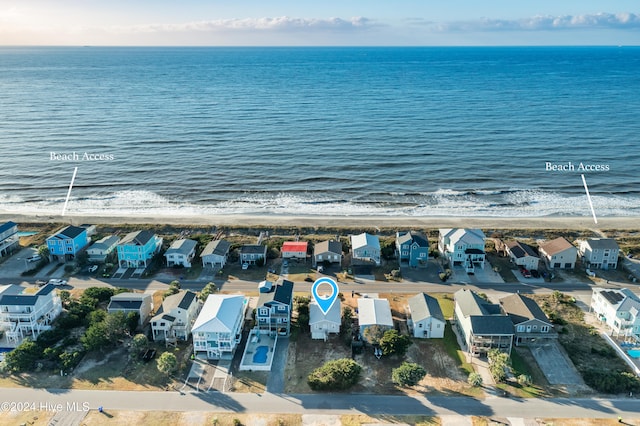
634, 353
26, 233
260, 357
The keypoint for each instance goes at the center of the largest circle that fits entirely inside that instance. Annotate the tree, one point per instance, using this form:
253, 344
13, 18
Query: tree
408, 374
475, 379
208, 289
82, 259
374, 333
139, 342
116, 323
101, 294
338, 374
131, 322
23, 357
524, 380
95, 337
43, 251
174, 287
167, 363
499, 364
65, 297
393, 343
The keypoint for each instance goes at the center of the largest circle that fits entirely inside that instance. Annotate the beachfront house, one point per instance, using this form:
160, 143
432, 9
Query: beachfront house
175, 317
102, 248
294, 250
531, 325
481, 324
218, 329
463, 247
65, 244
321, 324
137, 249
600, 253
327, 251
9, 239
181, 253
215, 254
129, 302
619, 309
426, 318
374, 311
522, 254
23, 315
253, 254
559, 253
273, 314
412, 248
365, 248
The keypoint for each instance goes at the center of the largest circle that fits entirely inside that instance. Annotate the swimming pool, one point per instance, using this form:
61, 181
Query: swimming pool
26, 233
634, 353
260, 356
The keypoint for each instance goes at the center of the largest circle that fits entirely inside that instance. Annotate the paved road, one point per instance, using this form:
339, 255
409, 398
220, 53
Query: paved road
324, 404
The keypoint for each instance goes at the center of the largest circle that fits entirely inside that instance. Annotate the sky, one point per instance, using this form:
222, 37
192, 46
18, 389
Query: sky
319, 22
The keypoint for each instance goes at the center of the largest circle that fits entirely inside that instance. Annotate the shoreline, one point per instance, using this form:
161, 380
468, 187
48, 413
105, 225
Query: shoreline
320, 221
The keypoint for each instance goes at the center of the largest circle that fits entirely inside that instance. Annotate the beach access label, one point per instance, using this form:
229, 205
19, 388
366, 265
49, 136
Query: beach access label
84, 156
571, 167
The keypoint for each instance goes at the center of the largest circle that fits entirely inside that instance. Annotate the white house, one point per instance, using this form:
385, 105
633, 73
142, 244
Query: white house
427, 320
374, 312
218, 328
619, 309
600, 253
99, 250
139, 303
365, 248
23, 315
559, 253
322, 324
464, 247
522, 254
294, 250
176, 316
215, 254
327, 251
9, 240
181, 253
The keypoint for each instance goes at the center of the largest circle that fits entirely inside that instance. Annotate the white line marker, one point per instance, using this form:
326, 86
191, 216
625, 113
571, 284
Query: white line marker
595, 219
64, 209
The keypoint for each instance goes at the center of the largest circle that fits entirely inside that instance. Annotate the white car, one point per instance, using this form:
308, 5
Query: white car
57, 282
93, 268
34, 258
245, 266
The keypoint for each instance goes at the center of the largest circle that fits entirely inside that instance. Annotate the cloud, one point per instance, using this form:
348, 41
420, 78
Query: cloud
283, 23
623, 21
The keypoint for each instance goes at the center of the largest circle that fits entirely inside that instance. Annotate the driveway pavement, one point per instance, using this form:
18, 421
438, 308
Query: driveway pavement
275, 382
556, 365
16, 264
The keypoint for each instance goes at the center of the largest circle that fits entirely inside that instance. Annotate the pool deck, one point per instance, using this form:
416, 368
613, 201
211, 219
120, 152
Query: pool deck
253, 342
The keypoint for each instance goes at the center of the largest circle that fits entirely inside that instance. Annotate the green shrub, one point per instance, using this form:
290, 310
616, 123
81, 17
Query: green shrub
475, 379
339, 374
408, 374
393, 343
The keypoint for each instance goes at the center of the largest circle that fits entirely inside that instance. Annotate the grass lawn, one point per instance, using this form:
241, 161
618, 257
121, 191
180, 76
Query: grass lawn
504, 267
453, 349
361, 419
527, 366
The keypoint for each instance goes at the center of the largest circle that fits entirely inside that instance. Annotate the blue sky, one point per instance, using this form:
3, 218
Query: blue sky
325, 22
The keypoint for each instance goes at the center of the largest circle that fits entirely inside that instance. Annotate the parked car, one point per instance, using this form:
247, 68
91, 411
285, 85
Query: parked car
34, 258
93, 268
525, 273
57, 282
40, 283
245, 266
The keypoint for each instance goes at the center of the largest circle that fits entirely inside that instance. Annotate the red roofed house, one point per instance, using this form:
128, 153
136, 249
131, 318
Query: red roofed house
294, 250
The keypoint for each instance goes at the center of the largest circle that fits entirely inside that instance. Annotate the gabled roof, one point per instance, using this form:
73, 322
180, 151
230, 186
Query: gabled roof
521, 308
182, 299
621, 299
491, 325
6, 226
364, 239
316, 315
294, 246
470, 303
374, 311
556, 246
217, 247
465, 236
423, 306
138, 238
12, 295
415, 237
105, 243
520, 250
46, 289
283, 293
253, 249
219, 314
602, 243
126, 305
68, 232
184, 246
330, 246
129, 295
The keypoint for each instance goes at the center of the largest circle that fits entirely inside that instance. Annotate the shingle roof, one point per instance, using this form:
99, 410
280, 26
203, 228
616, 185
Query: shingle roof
467, 236
603, 243
470, 303
18, 300
316, 315
217, 247
491, 325
126, 305
423, 306
283, 293
182, 300
521, 308
184, 246
330, 246
555, 246
219, 313
139, 238
374, 311
414, 237
46, 289
252, 249
520, 250
6, 226
106, 242
365, 239
69, 232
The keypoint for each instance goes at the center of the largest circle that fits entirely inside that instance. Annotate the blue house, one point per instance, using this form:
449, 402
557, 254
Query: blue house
9, 240
67, 243
412, 248
137, 249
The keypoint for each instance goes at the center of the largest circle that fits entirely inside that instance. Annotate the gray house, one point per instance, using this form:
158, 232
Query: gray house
532, 327
252, 253
181, 253
273, 314
427, 320
215, 254
600, 253
99, 250
522, 254
327, 251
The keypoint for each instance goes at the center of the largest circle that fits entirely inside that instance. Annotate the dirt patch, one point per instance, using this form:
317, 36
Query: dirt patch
165, 418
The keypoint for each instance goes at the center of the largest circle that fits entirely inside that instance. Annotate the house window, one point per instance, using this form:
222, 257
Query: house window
438, 325
162, 324
281, 308
264, 311
423, 254
535, 327
420, 325
544, 329
521, 328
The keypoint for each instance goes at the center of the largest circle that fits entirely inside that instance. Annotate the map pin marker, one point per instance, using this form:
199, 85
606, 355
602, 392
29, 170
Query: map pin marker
324, 302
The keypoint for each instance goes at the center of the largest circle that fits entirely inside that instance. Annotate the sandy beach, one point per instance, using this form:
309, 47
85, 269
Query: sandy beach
382, 222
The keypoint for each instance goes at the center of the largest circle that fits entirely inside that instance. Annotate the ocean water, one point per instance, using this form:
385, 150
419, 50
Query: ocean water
329, 131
